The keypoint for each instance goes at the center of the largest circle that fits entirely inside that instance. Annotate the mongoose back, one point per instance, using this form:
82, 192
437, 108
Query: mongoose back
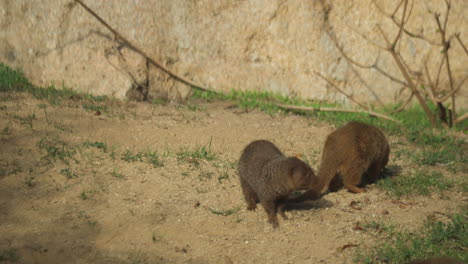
268, 177
437, 260
349, 152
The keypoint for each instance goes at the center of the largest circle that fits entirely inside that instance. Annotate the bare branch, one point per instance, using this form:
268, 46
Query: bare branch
365, 37
453, 91
396, 9
136, 49
409, 80
401, 26
461, 43
446, 45
341, 91
447, 14
326, 109
360, 65
461, 118
398, 24
392, 78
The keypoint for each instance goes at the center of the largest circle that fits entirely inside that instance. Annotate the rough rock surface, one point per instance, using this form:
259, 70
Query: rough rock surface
223, 45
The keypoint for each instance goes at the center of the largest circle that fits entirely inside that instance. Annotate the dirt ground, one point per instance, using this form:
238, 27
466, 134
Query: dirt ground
63, 200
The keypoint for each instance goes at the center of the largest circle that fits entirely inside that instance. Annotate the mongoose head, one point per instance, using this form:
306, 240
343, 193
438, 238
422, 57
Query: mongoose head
301, 176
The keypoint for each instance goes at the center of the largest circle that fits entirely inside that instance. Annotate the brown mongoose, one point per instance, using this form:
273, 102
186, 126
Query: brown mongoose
437, 260
349, 152
268, 177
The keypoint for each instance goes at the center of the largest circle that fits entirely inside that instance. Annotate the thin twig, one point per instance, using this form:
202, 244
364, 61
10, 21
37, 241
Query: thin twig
136, 49
358, 75
400, 30
341, 91
397, 23
457, 36
327, 109
340, 49
399, 109
431, 84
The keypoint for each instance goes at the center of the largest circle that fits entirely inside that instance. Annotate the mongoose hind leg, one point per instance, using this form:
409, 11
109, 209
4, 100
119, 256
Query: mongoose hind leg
270, 208
281, 205
250, 196
352, 177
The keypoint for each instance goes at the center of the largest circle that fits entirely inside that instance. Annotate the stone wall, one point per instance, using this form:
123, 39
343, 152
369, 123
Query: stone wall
225, 44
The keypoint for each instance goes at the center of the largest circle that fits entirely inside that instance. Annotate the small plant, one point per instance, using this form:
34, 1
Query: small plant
223, 176
198, 153
84, 195
96, 144
129, 156
116, 174
10, 255
56, 150
225, 212
67, 172
422, 183
6, 131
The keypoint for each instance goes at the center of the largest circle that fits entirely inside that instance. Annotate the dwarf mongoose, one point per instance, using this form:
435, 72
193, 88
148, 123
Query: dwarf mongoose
349, 152
268, 177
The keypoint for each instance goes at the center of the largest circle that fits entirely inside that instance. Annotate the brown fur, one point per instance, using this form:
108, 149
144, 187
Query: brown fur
268, 177
349, 152
437, 260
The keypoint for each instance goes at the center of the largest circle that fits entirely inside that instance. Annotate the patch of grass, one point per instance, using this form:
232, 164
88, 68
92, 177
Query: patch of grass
129, 156
67, 172
225, 212
195, 107
439, 147
9, 255
56, 150
198, 153
434, 238
94, 107
149, 156
26, 120
86, 195
12, 81
153, 158
160, 101
6, 131
96, 144
422, 182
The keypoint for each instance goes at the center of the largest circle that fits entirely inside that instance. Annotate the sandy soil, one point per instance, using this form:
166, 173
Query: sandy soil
109, 210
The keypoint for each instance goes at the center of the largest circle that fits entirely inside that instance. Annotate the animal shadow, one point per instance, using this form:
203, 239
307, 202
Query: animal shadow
309, 204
